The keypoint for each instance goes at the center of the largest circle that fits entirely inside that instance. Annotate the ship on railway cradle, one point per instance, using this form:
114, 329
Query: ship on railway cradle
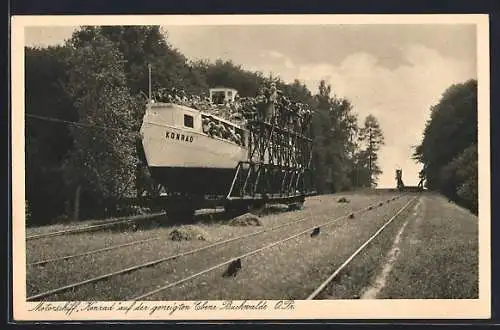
228, 151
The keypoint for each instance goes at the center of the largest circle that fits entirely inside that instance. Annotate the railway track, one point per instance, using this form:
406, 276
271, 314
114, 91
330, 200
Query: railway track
75, 285
268, 246
104, 224
91, 252
337, 271
137, 242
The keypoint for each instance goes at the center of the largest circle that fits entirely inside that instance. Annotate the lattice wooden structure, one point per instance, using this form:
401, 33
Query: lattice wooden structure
278, 165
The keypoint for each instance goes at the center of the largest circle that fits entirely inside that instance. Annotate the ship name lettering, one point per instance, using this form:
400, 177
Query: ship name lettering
179, 137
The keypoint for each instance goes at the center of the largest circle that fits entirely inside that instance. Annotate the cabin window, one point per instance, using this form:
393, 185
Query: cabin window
218, 97
188, 121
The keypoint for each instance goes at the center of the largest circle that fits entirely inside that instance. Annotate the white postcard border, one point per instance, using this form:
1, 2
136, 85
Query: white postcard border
334, 309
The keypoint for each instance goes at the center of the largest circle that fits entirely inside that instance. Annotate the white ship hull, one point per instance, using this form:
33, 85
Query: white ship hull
168, 146
185, 159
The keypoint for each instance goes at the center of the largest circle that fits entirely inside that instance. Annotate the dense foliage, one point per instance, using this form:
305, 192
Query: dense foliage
104, 162
99, 80
448, 150
47, 143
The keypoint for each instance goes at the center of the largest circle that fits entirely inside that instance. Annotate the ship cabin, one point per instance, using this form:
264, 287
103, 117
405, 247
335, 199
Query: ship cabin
222, 95
195, 121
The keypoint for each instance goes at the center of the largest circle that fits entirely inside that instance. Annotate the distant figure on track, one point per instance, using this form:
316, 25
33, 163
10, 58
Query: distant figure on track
421, 184
315, 232
399, 179
233, 268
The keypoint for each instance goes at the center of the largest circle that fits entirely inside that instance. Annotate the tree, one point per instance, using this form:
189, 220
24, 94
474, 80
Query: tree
143, 45
47, 143
102, 163
334, 126
296, 92
449, 145
372, 137
228, 74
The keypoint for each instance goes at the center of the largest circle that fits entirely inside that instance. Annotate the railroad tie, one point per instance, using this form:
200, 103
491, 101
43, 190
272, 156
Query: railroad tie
315, 232
233, 268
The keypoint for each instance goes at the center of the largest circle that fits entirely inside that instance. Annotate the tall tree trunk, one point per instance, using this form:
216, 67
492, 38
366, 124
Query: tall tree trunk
357, 176
370, 152
67, 209
76, 211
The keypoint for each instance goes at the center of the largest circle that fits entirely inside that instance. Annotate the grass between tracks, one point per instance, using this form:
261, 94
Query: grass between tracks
54, 275
439, 255
291, 270
360, 273
436, 258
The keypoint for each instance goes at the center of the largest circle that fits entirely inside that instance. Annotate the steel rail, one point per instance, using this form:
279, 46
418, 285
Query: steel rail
245, 255
323, 285
109, 248
172, 257
108, 223
67, 257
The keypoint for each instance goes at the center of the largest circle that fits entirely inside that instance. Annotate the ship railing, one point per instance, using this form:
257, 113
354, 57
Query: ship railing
259, 123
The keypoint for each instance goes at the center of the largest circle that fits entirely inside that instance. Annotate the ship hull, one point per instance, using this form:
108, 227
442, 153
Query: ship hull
194, 180
187, 161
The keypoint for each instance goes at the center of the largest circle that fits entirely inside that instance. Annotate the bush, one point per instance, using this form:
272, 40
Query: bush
62, 218
467, 172
469, 195
459, 180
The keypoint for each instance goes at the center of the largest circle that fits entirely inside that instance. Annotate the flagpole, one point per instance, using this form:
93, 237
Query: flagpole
149, 69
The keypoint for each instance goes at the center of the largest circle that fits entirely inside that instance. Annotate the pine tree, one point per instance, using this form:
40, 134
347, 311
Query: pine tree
334, 126
372, 137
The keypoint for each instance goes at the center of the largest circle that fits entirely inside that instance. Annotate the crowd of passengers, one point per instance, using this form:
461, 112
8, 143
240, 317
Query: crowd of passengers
270, 106
217, 128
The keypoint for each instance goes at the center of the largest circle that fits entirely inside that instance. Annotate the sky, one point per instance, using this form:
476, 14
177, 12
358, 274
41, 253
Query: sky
395, 72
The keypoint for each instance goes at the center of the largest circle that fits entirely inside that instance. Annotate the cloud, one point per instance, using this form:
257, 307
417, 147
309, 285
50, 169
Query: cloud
46, 36
276, 62
400, 98
273, 54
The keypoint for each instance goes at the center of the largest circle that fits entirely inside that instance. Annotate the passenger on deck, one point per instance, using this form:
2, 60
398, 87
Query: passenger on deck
284, 112
212, 129
226, 133
272, 95
232, 135
220, 130
236, 117
260, 105
239, 140
205, 125
270, 106
306, 121
249, 109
